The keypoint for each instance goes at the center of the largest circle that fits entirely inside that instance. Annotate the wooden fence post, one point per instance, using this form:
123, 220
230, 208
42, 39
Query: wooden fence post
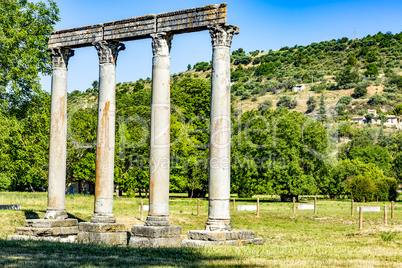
258, 207
315, 205
198, 207
351, 207
234, 203
142, 211
385, 215
360, 217
392, 209
294, 205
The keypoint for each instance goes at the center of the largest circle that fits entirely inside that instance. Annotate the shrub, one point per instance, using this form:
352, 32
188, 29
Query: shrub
319, 88
264, 106
242, 60
360, 90
389, 96
362, 187
257, 60
377, 100
254, 98
345, 100
245, 95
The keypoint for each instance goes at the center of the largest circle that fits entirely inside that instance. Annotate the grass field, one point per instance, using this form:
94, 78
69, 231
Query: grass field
330, 238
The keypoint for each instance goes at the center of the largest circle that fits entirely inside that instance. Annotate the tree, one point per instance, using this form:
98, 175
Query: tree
397, 167
346, 76
352, 60
372, 70
189, 67
360, 90
25, 29
95, 84
322, 111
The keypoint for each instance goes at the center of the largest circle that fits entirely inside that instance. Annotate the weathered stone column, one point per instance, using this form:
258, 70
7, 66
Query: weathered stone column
55, 226
218, 230
157, 231
220, 130
104, 177
103, 227
56, 208
160, 132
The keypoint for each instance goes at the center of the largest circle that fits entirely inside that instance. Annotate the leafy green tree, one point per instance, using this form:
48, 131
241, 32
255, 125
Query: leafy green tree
397, 167
201, 66
352, 60
25, 29
346, 76
372, 70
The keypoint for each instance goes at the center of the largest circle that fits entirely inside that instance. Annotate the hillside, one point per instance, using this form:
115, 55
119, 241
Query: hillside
333, 68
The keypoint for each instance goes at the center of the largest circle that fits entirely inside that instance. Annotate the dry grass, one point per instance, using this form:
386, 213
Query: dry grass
330, 238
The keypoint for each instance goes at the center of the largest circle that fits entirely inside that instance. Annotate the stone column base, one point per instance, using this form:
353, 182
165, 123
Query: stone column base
60, 230
228, 238
155, 236
102, 233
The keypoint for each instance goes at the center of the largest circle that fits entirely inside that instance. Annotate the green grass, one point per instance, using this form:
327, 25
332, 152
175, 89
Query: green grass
330, 238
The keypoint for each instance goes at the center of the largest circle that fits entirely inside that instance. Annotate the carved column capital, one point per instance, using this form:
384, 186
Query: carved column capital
222, 34
60, 57
161, 43
108, 51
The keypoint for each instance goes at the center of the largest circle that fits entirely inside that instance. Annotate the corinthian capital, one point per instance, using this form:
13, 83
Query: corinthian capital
222, 34
108, 51
60, 57
161, 43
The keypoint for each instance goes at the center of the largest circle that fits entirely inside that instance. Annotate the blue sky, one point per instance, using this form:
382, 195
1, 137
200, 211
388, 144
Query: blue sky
264, 25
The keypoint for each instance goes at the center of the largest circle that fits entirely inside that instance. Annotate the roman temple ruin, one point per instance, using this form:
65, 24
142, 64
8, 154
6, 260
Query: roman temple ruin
107, 39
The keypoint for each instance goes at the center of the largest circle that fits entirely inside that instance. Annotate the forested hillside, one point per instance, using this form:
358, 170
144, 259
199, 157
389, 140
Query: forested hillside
284, 142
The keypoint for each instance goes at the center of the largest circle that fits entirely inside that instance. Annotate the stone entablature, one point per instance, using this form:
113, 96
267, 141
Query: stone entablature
176, 22
191, 20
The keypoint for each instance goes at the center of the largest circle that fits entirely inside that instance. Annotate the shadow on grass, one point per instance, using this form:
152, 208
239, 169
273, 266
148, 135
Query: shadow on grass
30, 214
33, 215
52, 254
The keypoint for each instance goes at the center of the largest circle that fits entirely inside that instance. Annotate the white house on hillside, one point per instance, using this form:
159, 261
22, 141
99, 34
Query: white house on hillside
299, 87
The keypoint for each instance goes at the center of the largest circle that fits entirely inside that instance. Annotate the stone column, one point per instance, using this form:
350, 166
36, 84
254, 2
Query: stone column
104, 177
157, 231
56, 208
220, 129
160, 132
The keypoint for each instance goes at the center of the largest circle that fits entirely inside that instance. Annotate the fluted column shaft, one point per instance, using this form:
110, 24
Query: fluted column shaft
220, 129
160, 132
56, 208
105, 146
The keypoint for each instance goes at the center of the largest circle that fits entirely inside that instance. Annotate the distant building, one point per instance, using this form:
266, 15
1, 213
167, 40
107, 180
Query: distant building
299, 87
357, 119
392, 121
